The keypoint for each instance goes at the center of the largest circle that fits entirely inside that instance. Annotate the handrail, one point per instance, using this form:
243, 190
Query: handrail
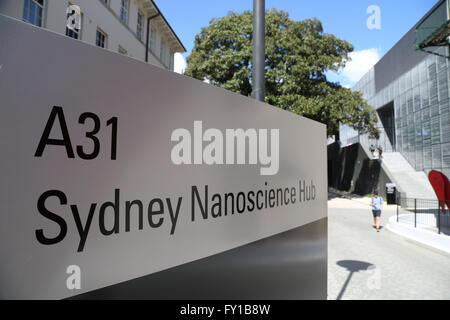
423, 213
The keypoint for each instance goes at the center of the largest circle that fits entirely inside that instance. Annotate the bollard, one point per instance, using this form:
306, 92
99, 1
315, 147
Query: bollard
439, 218
415, 213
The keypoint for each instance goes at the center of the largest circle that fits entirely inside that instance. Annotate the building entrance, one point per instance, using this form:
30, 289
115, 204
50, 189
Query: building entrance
386, 115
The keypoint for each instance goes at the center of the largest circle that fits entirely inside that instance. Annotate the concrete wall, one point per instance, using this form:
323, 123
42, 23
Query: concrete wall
95, 14
12, 8
399, 60
350, 169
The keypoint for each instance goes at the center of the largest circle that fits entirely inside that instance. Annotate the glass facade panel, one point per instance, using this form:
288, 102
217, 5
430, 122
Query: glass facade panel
432, 78
435, 131
419, 142
446, 155
445, 127
421, 103
416, 98
443, 85
436, 154
409, 101
443, 107
434, 107
424, 94
415, 76
423, 72
426, 113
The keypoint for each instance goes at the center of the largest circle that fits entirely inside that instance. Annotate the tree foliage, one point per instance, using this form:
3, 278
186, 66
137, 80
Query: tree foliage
297, 55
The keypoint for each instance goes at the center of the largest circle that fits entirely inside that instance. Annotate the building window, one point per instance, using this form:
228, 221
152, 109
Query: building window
152, 39
33, 11
140, 25
101, 39
171, 58
163, 52
74, 32
124, 5
123, 51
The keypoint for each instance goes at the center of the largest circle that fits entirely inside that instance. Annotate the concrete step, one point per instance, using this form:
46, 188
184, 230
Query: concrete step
411, 183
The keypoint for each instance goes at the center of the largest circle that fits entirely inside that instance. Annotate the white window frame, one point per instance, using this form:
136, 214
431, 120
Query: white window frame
171, 60
162, 51
122, 50
43, 7
124, 10
140, 26
152, 39
105, 40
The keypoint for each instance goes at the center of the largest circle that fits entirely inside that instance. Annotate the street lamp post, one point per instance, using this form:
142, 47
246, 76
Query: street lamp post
259, 45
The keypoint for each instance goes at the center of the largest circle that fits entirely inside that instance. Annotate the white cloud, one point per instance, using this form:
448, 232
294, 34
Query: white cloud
361, 62
179, 63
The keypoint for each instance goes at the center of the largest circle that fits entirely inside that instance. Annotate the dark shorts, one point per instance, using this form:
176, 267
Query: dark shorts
376, 213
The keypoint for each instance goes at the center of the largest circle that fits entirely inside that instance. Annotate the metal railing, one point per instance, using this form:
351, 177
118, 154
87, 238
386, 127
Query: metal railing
366, 142
426, 214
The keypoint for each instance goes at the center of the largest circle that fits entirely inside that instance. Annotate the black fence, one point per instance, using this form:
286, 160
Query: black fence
432, 215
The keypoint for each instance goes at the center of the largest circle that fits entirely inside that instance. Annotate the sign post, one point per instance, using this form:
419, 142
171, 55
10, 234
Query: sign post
259, 49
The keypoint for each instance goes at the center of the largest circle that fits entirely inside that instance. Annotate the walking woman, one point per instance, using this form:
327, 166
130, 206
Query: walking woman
377, 206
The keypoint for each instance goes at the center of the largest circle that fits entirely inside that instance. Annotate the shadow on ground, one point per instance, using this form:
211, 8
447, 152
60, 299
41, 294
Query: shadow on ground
352, 267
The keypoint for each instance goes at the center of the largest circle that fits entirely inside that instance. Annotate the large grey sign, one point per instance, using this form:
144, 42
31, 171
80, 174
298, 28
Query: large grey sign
113, 170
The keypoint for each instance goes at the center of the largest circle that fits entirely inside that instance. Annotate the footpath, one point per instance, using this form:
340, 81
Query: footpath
364, 264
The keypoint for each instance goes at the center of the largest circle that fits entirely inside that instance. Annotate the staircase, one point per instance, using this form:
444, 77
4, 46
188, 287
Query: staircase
410, 183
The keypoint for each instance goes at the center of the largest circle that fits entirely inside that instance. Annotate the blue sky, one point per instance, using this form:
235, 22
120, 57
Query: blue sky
346, 19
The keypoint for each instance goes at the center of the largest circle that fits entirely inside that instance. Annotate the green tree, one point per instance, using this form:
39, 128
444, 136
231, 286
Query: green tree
298, 54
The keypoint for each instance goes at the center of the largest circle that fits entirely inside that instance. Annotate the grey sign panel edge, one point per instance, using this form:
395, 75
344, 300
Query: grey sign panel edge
288, 266
41, 69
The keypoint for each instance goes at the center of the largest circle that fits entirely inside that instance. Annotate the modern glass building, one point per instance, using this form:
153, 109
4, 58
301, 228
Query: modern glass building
410, 89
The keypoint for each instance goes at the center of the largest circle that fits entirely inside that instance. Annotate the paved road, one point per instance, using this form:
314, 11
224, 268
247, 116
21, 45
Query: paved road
398, 268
